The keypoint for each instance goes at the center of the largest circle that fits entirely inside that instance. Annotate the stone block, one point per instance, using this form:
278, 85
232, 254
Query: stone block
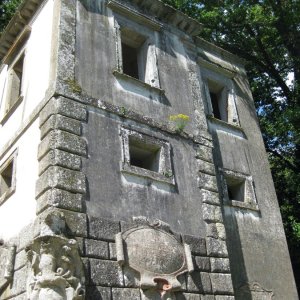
65, 107
206, 167
60, 199
208, 182
197, 244
212, 213
223, 297
96, 249
209, 197
216, 247
18, 285
103, 229
20, 260
61, 178
60, 158
204, 153
98, 293
207, 297
221, 283
62, 123
121, 294
216, 230
187, 296
220, 265
202, 263
112, 251
76, 223
80, 243
106, 273
58, 139
198, 282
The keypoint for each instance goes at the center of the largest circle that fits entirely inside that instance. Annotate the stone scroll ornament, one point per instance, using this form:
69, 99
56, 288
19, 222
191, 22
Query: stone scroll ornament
153, 251
56, 267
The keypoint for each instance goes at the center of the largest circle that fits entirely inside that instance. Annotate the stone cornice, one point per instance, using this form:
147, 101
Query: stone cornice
17, 24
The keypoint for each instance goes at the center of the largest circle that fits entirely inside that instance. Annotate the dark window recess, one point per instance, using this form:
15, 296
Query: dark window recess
130, 61
236, 188
215, 102
6, 177
15, 82
144, 155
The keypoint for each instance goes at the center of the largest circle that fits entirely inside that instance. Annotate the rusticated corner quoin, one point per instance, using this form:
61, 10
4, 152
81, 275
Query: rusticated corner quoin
61, 183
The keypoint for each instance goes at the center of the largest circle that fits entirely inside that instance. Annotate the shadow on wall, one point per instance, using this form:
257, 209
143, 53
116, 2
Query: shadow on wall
235, 253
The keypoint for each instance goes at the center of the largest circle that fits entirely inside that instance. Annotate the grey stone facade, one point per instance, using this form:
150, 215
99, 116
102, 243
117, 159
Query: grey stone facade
98, 124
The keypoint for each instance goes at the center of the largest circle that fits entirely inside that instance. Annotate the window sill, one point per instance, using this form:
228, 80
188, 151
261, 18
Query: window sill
11, 110
127, 168
242, 205
148, 87
215, 123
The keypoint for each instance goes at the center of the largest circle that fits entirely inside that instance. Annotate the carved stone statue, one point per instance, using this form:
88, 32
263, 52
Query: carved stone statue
56, 269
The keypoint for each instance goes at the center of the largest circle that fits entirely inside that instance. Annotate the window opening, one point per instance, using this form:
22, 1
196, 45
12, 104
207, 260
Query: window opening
6, 178
144, 155
134, 53
236, 188
219, 100
15, 82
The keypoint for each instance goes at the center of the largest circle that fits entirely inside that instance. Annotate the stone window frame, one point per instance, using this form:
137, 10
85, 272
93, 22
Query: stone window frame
131, 20
165, 173
250, 200
227, 93
15, 53
11, 159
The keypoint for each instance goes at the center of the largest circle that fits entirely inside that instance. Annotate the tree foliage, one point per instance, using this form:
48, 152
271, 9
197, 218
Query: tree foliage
7, 9
267, 34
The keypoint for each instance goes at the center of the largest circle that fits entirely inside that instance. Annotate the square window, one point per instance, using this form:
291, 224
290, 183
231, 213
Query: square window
146, 156
238, 190
15, 75
7, 177
134, 53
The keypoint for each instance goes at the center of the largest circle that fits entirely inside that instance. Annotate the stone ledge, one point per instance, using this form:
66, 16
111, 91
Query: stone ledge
63, 106
62, 123
61, 178
58, 139
60, 199
60, 158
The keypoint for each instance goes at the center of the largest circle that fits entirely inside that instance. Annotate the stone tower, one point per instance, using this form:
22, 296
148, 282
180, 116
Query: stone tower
131, 161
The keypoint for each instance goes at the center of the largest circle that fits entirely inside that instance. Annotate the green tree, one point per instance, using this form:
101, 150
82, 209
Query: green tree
267, 34
7, 9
